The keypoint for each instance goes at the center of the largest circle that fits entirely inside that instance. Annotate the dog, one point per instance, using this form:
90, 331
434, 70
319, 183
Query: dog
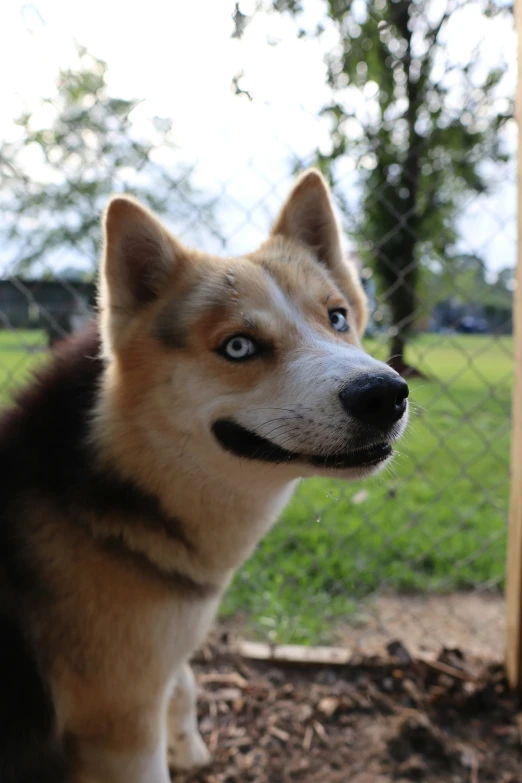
139, 470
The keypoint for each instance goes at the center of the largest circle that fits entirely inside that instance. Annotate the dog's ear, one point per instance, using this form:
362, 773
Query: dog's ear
139, 258
308, 217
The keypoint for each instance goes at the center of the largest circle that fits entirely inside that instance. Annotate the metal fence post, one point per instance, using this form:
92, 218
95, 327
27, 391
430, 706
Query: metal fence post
514, 555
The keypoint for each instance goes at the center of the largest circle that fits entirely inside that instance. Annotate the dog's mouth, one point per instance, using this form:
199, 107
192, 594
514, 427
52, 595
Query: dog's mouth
246, 444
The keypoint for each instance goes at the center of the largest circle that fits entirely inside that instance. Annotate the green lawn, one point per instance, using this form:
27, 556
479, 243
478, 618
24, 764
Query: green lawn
435, 521
19, 351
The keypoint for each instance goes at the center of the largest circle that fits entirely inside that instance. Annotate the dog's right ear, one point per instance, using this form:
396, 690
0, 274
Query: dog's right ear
139, 258
308, 217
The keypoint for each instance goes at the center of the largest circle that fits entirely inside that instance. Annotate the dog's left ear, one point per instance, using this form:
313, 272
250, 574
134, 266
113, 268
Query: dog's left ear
308, 217
139, 258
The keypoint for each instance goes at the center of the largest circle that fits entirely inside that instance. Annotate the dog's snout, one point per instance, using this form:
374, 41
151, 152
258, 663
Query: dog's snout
379, 400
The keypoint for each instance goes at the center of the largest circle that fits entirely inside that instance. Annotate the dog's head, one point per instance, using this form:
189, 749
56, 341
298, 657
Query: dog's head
254, 358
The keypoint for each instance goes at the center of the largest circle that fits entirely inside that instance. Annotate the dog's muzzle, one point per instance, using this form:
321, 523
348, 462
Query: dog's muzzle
375, 401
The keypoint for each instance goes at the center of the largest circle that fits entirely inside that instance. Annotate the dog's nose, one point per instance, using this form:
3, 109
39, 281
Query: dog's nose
378, 399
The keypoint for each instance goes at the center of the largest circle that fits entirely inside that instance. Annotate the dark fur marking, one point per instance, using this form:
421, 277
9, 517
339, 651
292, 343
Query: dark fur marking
145, 262
168, 328
211, 297
239, 441
243, 443
118, 547
29, 748
108, 494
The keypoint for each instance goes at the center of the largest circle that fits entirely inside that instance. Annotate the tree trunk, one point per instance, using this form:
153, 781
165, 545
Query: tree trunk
403, 295
397, 359
397, 346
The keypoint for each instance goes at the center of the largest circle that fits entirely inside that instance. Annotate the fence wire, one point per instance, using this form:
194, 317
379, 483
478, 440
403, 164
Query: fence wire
419, 552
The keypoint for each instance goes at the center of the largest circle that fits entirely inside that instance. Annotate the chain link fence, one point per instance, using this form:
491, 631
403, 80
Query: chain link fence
417, 552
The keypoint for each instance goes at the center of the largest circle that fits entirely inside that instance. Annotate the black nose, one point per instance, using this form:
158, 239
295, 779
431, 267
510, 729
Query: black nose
378, 399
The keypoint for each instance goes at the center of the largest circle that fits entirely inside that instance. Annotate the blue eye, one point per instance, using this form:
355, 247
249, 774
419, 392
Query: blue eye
238, 348
338, 320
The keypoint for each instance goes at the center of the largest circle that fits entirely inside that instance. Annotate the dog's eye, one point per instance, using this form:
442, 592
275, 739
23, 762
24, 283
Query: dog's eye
338, 320
238, 348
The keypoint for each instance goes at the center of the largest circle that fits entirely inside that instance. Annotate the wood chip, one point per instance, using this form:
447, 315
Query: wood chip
446, 669
237, 742
328, 705
305, 711
223, 694
213, 741
475, 771
308, 737
320, 731
284, 736
295, 653
232, 678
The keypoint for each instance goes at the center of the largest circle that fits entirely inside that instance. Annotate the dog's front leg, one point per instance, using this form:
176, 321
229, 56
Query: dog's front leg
188, 748
107, 765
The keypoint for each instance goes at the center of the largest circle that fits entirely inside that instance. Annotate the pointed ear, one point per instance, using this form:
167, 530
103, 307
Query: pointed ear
139, 257
308, 217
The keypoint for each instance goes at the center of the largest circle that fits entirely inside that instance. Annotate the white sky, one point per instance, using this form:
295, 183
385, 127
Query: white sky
178, 56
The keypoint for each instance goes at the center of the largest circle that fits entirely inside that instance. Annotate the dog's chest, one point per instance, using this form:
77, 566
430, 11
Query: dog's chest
118, 662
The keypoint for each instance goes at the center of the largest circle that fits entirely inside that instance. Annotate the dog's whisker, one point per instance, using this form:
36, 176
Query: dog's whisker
271, 421
286, 424
283, 427
296, 409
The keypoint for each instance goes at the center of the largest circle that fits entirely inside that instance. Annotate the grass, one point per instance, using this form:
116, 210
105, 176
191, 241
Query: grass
19, 352
435, 521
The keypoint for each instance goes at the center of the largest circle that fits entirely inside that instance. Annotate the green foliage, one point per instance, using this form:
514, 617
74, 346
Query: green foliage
422, 137
466, 274
70, 155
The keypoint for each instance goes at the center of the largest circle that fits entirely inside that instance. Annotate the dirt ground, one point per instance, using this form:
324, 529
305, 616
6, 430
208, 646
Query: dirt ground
380, 719
472, 621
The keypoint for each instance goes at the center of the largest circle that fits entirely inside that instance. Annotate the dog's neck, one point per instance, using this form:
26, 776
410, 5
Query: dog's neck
224, 510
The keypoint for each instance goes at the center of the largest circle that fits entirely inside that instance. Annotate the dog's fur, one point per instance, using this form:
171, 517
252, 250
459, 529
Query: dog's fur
140, 469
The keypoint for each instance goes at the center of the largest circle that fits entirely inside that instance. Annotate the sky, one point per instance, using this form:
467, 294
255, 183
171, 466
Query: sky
179, 57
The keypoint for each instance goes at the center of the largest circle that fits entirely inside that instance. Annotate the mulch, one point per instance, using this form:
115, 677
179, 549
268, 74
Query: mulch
376, 720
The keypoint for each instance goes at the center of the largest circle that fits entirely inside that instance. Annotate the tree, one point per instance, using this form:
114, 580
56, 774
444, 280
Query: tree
422, 137
55, 178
